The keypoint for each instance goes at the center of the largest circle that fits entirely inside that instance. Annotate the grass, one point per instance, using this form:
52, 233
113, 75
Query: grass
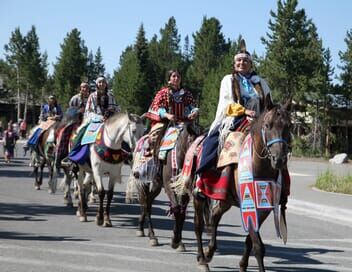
330, 182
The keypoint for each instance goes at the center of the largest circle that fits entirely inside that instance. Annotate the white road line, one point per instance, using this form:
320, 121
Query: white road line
293, 174
322, 212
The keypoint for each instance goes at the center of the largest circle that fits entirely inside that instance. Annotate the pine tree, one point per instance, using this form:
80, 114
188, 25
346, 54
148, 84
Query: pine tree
99, 67
91, 75
346, 79
286, 64
165, 54
71, 66
208, 52
129, 83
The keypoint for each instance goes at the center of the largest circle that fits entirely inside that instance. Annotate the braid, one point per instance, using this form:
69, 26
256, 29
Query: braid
236, 89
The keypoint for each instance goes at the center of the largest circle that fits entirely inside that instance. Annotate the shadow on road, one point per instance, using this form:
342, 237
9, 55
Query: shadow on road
26, 236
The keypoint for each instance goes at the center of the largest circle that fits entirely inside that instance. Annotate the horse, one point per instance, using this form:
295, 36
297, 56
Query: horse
271, 138
44, 154
165, 177
107, 157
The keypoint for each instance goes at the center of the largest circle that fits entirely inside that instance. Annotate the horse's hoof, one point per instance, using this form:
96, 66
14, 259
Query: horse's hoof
83, 219
107, 224
37, 187
140, 233
50, 191
78, 213
203, 267
92, 200
69, 204
181, 247
154, 242
99, 221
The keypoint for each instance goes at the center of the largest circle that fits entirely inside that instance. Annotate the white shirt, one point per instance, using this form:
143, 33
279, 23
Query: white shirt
226, 98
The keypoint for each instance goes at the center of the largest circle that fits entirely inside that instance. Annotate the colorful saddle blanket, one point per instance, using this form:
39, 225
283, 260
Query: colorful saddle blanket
255, 194
168, 142
91, 133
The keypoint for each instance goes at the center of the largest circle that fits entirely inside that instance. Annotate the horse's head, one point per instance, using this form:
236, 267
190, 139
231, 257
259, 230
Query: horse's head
135, 130
124, 127
275, 125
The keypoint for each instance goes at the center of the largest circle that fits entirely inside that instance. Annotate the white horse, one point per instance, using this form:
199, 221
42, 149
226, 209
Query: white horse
107, 158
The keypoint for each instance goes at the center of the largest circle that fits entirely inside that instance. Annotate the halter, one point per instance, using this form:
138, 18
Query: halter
267, 145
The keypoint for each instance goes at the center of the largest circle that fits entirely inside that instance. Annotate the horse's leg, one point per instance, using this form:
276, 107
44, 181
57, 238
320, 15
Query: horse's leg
82, 204
101, 192
247, 251
215, 217
154, 192
36, 177
199, 207
258, 245
180, 216
67, 188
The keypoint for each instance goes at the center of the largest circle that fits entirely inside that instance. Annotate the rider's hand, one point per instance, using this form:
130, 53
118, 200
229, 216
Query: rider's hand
170, 117
250, 113
193, 115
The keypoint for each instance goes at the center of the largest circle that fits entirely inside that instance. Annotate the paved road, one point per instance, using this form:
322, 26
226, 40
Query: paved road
37, 233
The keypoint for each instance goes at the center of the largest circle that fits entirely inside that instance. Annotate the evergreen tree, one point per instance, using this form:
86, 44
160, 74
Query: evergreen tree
99, 67
145, 67
208, 52
287, 64
165, 54
346, 67
71, 66
91, 75
346, 88
129, 83
36, 66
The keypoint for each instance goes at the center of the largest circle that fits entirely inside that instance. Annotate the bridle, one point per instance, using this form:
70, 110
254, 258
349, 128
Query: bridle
267, 144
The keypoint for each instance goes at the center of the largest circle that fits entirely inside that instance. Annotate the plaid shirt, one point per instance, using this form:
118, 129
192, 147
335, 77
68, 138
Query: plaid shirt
93, 107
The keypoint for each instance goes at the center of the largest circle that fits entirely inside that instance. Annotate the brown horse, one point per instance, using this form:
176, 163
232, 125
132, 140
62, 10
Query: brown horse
44, 154
270, 137
165, 177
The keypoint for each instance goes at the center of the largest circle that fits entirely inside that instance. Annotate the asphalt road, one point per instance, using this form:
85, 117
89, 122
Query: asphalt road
38, 233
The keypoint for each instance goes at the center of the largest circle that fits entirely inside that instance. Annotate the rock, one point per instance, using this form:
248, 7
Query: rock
339, 158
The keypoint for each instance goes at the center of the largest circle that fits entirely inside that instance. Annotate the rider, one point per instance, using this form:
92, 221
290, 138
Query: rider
79, 101
172, 102
101, 104
241, 98
51, 110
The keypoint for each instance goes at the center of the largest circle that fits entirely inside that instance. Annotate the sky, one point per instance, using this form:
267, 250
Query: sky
113, 25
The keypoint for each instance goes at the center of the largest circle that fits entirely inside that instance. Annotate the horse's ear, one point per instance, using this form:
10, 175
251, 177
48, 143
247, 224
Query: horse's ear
268, 102
288, 104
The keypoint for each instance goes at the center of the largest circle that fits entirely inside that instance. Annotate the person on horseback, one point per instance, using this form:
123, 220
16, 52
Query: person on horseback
79, 101
101, 104
241, 99
49, 114
172, 102
51, 110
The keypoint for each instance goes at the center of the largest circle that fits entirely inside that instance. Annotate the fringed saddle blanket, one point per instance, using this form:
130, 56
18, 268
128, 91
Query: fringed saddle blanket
168, 142
144, 165
91, 133
182, 181
106, 153
255, 194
